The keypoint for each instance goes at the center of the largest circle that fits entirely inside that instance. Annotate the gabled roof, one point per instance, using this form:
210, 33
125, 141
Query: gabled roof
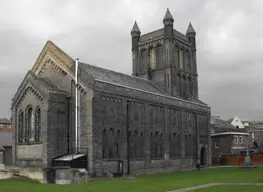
125, 80
42, 84
5, 121
221, 123
230, 120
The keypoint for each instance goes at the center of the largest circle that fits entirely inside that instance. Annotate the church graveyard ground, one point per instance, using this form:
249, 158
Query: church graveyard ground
158, 182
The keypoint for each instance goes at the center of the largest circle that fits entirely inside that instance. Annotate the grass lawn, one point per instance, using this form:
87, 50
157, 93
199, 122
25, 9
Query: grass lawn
232, 188
159, 182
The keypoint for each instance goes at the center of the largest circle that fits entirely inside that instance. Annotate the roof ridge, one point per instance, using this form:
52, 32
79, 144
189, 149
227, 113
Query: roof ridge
119, 73
152, 32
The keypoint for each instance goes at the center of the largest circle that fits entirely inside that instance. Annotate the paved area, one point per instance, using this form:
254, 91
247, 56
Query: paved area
211, 185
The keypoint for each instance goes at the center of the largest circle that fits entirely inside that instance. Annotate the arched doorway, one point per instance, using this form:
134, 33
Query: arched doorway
202, 156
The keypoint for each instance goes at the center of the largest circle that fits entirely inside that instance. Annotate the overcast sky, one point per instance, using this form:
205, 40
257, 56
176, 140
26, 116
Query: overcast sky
229, 43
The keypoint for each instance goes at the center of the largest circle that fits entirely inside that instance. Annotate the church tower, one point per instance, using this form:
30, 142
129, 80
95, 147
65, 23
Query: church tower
167, 57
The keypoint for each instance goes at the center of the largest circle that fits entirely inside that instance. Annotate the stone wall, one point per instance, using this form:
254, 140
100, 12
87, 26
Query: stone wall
21, 156
125, 115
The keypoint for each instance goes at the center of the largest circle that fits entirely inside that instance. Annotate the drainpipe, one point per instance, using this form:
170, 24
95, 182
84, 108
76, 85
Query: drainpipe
76, 104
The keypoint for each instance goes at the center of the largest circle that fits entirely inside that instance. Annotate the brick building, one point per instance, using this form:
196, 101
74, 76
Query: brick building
145, 120
226, 138
5, 125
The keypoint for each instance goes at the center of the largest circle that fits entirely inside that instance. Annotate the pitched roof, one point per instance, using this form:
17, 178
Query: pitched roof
135, 28
5, 139
152, 35
5, 121
168, 15
230, 120
125, 80
159, 33
190, 28
221, 123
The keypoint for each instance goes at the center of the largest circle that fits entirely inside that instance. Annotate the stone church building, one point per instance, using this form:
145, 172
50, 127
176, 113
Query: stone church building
144, 122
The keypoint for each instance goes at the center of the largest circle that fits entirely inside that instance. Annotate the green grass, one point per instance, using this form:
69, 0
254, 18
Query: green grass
232, 188
154, 183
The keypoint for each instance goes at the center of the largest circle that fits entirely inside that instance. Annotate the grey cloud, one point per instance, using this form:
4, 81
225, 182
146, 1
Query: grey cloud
229, 44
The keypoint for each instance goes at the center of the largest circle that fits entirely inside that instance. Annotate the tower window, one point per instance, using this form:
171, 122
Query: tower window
152, 59
181, 55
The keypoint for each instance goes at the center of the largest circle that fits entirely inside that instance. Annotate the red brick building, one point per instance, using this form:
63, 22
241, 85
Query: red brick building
226, 139
5, 125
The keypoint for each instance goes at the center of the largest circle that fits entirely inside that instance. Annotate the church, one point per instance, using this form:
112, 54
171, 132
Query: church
70, 114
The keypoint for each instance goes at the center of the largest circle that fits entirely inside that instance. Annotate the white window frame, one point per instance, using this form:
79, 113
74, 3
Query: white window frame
1, 126
236, 140
216, 146
240, 139
9, 126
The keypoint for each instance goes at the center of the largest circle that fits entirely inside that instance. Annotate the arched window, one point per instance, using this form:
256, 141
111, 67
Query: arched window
136, 144
131, 145
29, 130
104, 144
178, 143
118, 143
161, 146
187, 86
190, 86
37, 124
186, 61
159, 55
111, 141
183, 87
143, 61
21, 127
152, 58
178, 85
181, 59
189, 60
141, 147
152, 146
176, 56
186, 146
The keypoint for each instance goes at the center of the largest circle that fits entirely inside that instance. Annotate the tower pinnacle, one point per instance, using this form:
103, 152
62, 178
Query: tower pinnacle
135, 29
168, 17
190, 29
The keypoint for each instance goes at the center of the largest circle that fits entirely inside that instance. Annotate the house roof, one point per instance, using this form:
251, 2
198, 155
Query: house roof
5, 121
5, 139
230, 120
221, 123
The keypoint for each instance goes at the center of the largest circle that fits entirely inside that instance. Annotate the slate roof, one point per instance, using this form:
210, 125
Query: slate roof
5, 121
190, 28
135, 28
152, 35
121, 79
159, 33
46, 82
5, 139
168, 15
221, 123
